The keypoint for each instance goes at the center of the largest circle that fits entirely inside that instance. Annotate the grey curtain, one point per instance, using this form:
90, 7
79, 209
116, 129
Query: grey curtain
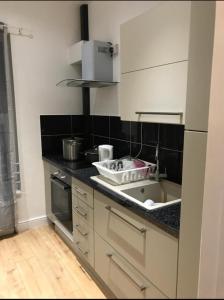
8, 138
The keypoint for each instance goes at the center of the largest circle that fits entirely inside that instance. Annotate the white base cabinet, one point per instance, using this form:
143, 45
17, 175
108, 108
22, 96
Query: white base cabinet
147, 248
134, 258
122, 278
82, 208
83, 239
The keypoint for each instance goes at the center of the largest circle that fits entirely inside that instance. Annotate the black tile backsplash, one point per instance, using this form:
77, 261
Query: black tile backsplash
52, 144
125, 136
136, 132
150, 134
171, 136
121, 148
172, 162
119, 130
55, 125
144, 152
100, 140
78, 124
54, 128
100, 125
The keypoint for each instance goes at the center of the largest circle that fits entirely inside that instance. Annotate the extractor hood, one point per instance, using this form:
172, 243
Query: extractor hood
96, 64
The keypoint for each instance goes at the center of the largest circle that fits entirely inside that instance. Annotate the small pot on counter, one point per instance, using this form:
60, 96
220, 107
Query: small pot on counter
92, 155
72, 148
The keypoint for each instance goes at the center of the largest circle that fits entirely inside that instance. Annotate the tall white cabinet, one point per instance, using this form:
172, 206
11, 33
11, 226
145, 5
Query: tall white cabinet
195, 145
154, 63
166, 66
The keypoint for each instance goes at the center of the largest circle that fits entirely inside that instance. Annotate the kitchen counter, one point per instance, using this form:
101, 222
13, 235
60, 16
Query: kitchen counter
167, 217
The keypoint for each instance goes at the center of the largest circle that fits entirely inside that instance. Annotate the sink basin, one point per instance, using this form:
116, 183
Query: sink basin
161, 193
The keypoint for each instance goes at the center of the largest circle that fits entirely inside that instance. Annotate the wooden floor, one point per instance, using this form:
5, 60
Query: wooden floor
37, 264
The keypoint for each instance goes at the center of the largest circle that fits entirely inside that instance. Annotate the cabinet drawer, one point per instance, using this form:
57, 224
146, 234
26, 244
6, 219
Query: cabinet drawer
84, 240
125, 234
150, 250
120, 276
82, 209
162, 261
83, 191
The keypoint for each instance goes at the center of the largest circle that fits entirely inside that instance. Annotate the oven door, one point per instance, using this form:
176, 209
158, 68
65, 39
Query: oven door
61, 202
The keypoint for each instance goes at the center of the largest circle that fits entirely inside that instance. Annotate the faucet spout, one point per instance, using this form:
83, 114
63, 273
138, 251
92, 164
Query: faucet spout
157, 176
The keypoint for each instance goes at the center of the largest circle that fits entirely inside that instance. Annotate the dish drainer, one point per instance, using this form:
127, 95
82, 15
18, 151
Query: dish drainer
125, 171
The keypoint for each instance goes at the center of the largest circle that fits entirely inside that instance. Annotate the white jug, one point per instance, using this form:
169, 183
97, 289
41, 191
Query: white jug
105, 152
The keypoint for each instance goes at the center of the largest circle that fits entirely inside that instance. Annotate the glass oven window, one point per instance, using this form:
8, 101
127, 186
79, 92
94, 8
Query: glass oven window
61, 202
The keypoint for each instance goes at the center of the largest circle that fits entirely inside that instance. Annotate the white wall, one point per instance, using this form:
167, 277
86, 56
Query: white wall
105, 18
38, 64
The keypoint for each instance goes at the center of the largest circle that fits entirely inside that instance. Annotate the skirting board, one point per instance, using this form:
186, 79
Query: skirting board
31, 223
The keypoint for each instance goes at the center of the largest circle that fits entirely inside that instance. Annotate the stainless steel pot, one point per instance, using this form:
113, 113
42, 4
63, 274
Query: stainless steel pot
72, 148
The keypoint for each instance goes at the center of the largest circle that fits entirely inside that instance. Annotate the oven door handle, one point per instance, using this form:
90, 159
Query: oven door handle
60, 184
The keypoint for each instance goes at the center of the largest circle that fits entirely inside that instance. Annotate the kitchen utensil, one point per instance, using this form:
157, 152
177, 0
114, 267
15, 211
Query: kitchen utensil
105, 152
92, 155
72, 148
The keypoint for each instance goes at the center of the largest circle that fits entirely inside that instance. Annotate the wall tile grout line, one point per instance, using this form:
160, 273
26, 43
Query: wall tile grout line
137, 143
60, 134
71, 124
158, 138
130, 136
109, 129
169, 149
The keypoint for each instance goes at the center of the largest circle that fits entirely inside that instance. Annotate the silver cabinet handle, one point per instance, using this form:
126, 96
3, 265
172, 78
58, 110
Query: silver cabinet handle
80, 212
162, 113
139, 285
159, 113
142, 230
84, 252
80, 231
80, 192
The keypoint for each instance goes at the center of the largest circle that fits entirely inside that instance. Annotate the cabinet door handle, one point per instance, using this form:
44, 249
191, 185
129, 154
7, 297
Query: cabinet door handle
80, 192
80, 212
84, 252
80, 231
139, 285
141, 230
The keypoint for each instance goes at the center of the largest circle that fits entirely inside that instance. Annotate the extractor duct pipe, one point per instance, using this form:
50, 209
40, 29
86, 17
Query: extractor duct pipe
85, 37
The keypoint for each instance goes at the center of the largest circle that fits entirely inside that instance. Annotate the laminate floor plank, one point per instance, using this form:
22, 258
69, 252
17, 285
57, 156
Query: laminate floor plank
38, 264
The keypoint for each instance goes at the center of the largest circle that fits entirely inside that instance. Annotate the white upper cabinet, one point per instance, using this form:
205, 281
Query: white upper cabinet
200, 64
161, 89
154, 64
157, 37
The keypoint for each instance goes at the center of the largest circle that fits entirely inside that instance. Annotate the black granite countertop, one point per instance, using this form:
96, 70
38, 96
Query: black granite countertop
167, 217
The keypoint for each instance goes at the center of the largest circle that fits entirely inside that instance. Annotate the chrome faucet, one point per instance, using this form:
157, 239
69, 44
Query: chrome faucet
157, 176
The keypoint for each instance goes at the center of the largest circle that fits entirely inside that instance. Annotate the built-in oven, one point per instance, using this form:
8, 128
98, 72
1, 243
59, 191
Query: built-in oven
61, 199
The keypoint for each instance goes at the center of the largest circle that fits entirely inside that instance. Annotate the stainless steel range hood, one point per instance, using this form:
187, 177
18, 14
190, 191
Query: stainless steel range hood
84, 83
97, 66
